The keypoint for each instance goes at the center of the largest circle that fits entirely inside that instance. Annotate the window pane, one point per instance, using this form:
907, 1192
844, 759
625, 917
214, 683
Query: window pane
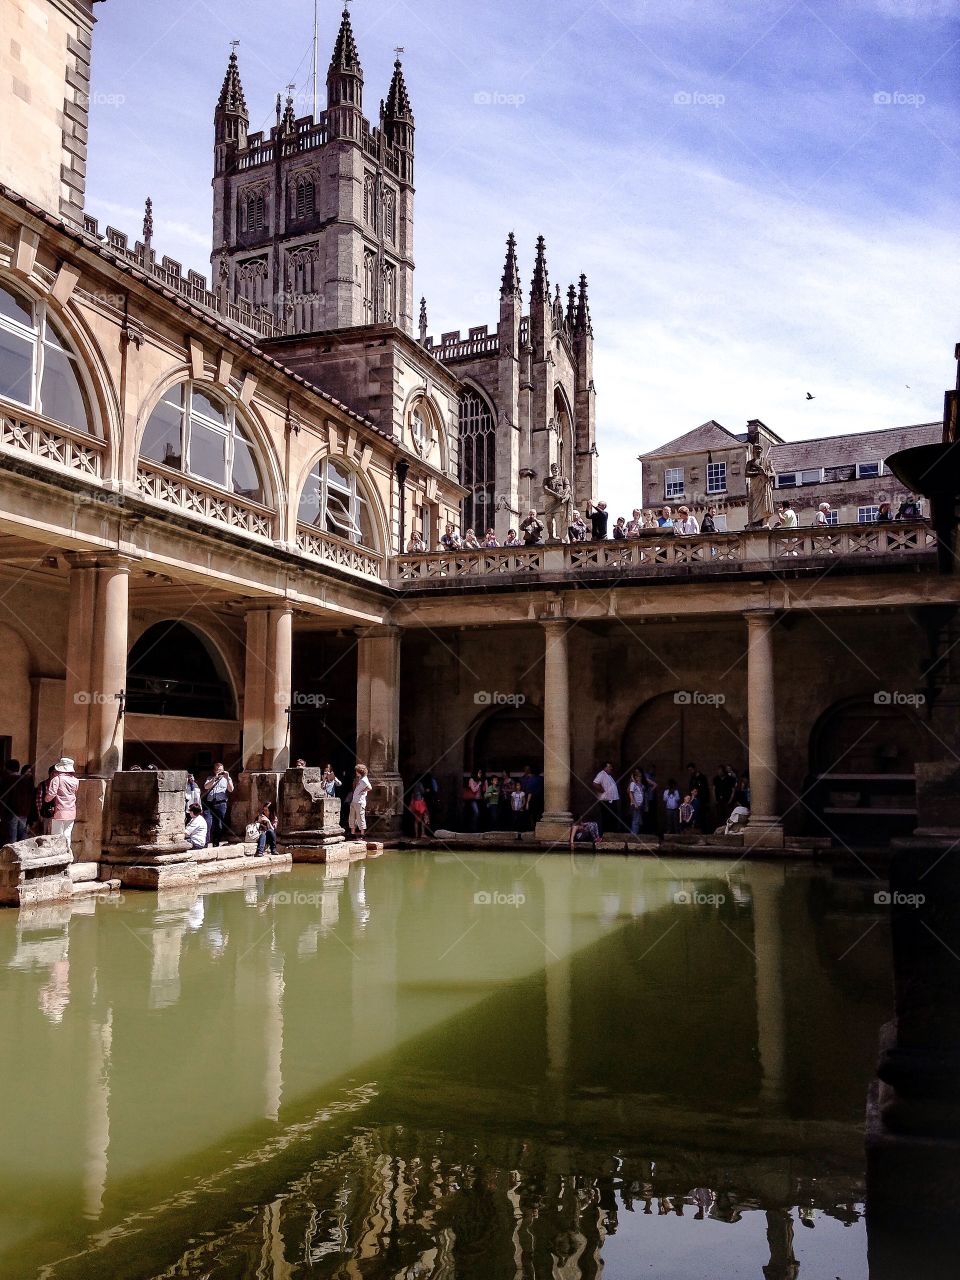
208, 453
337, 478
366, 524
204, 405
162, 435
61, 392
16, 367
16, 307
246, 473
338, 517
310, 512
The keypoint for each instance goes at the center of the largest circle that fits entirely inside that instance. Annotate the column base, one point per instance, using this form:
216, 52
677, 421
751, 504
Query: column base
763, 833
385, 807
554, 826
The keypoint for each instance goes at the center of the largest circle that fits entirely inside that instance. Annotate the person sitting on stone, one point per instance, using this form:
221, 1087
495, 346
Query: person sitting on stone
577, 531
451, 540
196, 828
532, 530
416, 543
490, 538
268, 831
471, 541
512, 539
686, 524
584, 832
739, 817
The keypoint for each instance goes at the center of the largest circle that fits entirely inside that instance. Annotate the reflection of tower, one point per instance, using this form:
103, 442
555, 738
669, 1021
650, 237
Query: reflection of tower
98, 1116
766, 885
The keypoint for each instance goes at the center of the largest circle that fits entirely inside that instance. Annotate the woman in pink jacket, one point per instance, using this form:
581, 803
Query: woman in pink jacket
62, 792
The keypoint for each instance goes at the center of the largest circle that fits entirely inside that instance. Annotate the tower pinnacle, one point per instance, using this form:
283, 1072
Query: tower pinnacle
510, 283
540, 288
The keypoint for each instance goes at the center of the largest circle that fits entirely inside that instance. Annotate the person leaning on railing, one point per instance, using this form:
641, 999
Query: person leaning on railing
685, 525
577, 529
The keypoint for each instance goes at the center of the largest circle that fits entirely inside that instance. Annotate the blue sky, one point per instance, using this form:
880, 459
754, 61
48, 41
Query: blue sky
763, 194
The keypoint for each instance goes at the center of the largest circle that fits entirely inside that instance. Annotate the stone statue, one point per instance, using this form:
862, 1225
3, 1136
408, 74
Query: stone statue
558, 503
759, 471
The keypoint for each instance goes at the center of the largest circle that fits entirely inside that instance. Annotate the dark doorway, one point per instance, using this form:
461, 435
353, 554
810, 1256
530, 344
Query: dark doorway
323, 706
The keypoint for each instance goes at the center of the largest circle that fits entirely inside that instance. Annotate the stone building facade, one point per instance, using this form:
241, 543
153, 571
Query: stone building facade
707, 467
200, 514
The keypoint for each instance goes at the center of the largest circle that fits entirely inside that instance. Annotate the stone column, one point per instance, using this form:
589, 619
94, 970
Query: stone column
378, 725
267, 688
555, 823
96, 661
765, 827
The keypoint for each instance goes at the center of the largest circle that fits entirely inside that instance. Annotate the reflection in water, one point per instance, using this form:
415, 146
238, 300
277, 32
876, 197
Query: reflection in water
490, 1066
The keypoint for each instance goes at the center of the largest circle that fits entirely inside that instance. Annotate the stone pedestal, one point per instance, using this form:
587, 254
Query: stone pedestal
308, 817
35, 871
253, 791
144, 844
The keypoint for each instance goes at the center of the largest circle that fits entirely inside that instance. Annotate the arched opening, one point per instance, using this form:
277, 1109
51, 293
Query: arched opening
506, 739
478, 460
195, 430
172, 671
565, 447
333, 499
14, 698
675, 729
862, 789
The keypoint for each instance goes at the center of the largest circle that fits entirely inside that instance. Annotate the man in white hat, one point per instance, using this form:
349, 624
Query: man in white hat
62, 793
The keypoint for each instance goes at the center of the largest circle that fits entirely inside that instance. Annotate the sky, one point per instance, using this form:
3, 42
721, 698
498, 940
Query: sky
762, 194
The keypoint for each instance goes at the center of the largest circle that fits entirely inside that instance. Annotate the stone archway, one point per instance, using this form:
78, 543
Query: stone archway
506, 739
674, 728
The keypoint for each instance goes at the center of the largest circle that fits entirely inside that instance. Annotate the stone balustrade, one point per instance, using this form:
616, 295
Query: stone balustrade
207, 502
659, 552
320, 545
28, 435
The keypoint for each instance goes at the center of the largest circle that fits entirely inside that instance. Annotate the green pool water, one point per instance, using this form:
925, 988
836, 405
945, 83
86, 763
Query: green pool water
438, 1065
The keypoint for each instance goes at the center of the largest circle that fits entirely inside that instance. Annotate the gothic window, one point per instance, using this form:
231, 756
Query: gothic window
252, 281
37, 368
333, 500
478, 452
369, 184
390, 214
389, 293
369, 286
254, 212
193, 430
306, 198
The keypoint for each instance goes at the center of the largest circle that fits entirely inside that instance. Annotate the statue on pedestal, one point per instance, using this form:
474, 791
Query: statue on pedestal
759, 472
558, 503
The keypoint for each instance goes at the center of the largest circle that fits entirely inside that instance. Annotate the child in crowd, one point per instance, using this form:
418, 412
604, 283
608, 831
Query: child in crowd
686, 813
518, 806
421, 814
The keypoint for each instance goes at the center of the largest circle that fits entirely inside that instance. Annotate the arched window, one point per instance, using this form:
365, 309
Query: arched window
171, 672
254, 213
193, 430
306, 198
478, 453
333, 500
390, 214
369, 286
37, 368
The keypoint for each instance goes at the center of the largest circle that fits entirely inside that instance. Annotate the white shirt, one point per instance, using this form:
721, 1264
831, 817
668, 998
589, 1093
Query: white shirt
196, 832
822, 518
688, 526
360, 789
788, 520
610, 790
635, 791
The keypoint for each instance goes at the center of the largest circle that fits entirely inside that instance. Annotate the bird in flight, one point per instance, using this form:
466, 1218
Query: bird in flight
810, 397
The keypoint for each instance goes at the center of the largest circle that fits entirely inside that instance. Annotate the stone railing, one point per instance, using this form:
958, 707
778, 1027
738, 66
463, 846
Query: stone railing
654, 551
27, 435
192, 497
319, 545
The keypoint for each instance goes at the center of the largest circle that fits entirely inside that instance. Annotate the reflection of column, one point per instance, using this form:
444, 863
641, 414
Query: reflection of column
555, 823
98, 1117
96, 661
783, 1264
557, 946
762, 728
273, 1075
378, 725
766, 885
266, 688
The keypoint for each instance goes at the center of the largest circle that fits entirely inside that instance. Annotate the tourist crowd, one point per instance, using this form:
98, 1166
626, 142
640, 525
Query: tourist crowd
680, 521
